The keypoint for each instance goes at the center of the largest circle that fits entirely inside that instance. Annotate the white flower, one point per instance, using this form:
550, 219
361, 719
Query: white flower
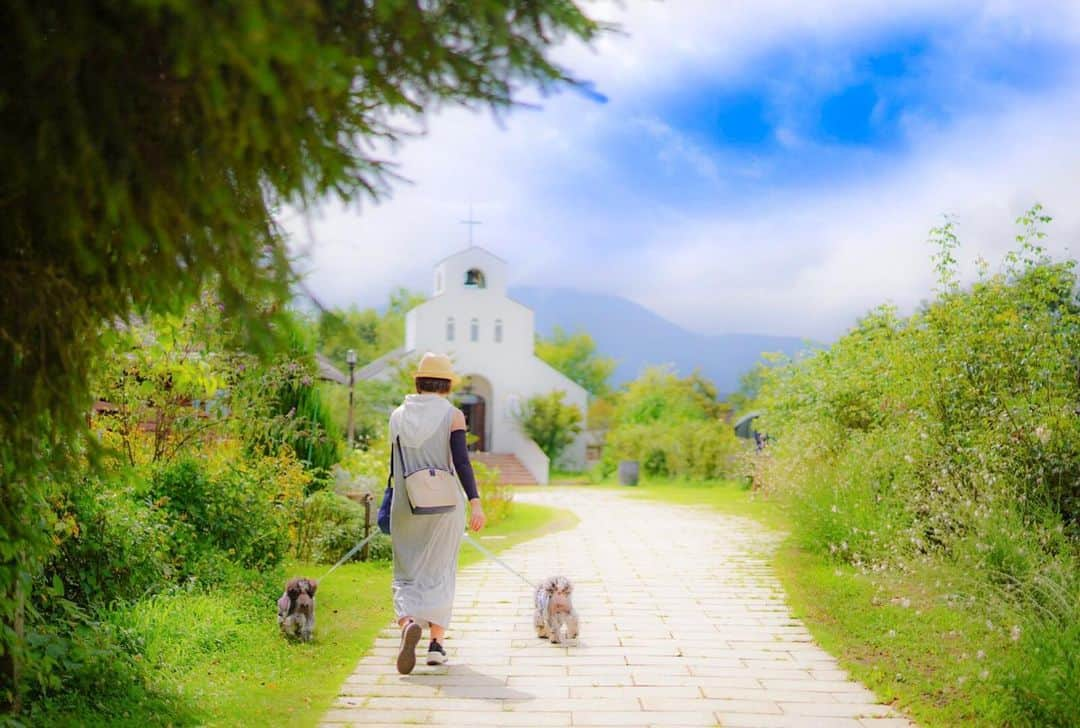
1014, 633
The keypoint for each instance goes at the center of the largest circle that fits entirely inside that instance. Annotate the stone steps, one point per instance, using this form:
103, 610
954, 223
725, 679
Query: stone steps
511, 471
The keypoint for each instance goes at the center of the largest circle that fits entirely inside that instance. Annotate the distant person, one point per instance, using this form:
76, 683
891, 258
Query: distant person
428, 432
759, 441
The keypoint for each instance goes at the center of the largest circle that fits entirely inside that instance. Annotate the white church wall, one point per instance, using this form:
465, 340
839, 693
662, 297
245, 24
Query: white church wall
502, 351
535, 461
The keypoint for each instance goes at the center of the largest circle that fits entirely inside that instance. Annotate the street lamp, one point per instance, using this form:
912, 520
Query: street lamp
350, 358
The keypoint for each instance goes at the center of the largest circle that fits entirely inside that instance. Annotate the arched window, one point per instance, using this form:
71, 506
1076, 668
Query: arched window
474, 278
474, 330
450, 328
498, 331
438, 282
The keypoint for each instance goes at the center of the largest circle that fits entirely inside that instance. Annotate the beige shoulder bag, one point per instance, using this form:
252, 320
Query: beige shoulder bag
430, 490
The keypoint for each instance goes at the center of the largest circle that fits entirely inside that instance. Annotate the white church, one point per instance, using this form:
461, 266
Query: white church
490, 338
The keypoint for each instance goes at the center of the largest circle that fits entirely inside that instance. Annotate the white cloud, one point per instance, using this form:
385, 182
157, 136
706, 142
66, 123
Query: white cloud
809, 263
797, 260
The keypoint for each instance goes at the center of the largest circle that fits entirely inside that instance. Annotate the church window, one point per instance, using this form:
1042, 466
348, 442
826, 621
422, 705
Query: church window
474, 278
450, 328
474, 330
438, 282
498, 331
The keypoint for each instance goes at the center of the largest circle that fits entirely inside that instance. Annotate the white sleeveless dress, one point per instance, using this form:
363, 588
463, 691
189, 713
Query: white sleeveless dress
425, 546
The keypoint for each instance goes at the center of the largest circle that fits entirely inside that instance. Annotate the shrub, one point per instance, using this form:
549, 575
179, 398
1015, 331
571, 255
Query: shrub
953, 435
368, 467
701, 449
112, 545
672, 426
550, 422
330, 525
240, 511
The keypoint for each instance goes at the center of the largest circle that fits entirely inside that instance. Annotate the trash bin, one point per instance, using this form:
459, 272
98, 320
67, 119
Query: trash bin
628, 472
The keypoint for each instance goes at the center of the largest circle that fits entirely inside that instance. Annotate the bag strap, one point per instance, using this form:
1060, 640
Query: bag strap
401, 454
390, 475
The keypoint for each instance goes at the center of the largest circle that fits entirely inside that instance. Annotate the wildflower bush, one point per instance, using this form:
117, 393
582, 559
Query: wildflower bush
953, 436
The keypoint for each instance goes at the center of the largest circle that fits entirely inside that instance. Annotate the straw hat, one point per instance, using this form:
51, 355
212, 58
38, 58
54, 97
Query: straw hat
436, 366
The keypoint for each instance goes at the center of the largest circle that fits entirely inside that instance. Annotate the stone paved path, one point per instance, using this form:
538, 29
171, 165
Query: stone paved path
683, 624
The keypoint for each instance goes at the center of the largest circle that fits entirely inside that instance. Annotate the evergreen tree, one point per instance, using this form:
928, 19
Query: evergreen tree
146, 145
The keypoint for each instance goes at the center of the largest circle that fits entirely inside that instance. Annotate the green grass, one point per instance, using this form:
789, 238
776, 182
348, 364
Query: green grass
727, 495
216, 658
905, 635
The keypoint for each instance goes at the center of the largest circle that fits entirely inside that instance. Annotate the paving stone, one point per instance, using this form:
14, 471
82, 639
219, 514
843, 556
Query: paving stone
840, 710
645, 718
747, 720
636, 691
666, 640
756, 707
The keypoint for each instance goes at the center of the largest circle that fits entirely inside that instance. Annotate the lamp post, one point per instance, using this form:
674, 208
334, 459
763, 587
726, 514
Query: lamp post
350, 358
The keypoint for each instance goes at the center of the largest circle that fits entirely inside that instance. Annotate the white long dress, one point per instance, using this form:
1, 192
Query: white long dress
425, 546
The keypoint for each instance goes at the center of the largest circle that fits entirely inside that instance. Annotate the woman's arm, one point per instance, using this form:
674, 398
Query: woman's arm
459, 449
459, 453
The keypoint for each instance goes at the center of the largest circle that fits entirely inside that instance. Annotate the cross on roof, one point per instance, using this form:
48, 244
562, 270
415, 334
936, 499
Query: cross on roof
471, 223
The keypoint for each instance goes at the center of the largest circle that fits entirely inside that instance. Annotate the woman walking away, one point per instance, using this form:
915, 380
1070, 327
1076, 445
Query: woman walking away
427, 443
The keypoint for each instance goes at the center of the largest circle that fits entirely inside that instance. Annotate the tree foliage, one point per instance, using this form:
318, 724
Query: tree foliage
673, 426
575, 356
660, 395
551, 422
368, 332
145, 148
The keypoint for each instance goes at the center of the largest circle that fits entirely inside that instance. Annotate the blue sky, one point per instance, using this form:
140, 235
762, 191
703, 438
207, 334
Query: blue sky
769, 167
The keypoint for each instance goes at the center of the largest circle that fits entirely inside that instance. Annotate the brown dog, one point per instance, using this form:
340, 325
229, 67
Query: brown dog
296, 609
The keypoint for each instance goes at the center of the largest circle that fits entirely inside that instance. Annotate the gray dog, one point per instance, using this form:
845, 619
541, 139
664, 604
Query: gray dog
296, 609
555, 610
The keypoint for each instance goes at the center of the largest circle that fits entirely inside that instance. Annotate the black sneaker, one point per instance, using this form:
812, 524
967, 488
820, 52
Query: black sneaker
436, 655
406, 656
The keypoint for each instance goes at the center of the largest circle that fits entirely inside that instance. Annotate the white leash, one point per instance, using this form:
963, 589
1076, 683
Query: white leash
486, 552
350, 553
476, 544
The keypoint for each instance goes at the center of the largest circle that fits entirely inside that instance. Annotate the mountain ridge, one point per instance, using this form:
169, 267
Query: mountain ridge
636, 336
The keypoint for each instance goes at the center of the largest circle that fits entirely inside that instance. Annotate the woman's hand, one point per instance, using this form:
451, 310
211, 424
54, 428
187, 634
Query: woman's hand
477, 519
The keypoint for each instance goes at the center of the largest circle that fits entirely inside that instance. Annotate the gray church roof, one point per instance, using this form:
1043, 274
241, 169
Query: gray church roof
384, 362
328, 372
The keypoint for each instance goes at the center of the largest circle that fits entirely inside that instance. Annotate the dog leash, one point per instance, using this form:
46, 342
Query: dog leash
476, 544
487, 552
350, 553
